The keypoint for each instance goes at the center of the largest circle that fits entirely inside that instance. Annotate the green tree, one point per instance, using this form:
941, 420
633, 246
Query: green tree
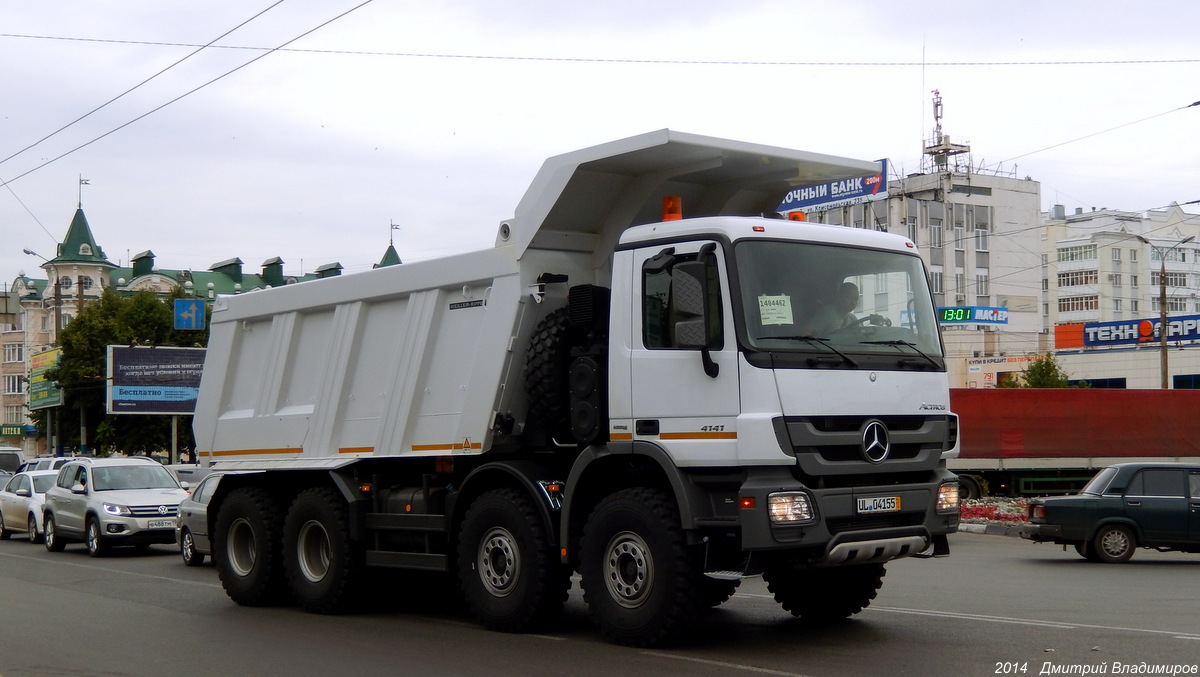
140, 319
1043, 372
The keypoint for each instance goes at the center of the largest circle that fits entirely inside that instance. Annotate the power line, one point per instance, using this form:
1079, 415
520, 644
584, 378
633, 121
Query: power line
685, 62
131, 89
187, 93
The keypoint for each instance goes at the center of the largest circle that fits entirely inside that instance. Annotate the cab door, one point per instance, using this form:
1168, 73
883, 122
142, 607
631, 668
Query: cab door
684, 394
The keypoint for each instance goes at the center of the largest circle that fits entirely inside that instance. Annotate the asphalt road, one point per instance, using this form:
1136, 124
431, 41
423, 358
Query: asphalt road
997, 605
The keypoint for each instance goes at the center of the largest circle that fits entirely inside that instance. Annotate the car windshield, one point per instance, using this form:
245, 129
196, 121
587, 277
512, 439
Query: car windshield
1099, 483
801, 296
42, 483
142, 476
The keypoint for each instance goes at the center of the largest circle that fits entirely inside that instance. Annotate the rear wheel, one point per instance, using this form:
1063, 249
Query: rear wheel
247, 548
509, 575
322, 564
52, 542
1114, 544
96, 545
824, 594
641, 583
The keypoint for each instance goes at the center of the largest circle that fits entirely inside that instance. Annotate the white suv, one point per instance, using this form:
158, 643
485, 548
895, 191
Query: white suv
112, 501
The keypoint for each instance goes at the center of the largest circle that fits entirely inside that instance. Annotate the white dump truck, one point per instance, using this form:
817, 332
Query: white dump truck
651, 380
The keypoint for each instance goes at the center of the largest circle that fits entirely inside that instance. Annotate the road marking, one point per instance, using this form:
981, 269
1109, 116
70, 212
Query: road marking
93, 567
723, 664
1031, 621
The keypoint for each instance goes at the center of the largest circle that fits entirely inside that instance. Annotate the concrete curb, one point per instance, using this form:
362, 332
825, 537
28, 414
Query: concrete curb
992, 529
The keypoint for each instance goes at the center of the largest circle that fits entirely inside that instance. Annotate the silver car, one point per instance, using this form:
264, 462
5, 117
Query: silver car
105, 502
191, 530
21, 502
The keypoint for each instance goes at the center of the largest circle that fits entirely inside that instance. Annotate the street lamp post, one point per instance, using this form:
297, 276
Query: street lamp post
1162, 302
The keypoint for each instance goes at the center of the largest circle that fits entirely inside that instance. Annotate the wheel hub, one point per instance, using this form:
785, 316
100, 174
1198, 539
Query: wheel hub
628, 569
499, 562
314, 553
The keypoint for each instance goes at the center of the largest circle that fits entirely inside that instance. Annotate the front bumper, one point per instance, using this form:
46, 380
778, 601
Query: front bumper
137, 530
839, 533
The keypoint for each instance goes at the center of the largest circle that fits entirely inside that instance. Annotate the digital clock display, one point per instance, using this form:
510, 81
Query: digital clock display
958, 314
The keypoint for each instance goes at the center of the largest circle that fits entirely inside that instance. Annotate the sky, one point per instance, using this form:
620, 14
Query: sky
307, 129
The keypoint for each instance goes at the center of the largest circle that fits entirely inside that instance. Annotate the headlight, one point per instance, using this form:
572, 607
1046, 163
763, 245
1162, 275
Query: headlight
948, 498
116, 510
792, 507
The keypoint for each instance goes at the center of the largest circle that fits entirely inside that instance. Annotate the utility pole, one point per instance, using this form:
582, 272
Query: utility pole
1162, 304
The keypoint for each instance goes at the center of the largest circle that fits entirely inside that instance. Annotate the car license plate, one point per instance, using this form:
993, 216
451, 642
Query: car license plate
160, 524
879, 504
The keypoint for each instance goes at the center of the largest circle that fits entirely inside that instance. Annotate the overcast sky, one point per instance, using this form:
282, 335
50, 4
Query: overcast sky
436, 115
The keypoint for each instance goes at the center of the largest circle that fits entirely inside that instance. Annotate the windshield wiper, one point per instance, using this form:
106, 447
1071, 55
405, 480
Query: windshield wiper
814, 339
908, 344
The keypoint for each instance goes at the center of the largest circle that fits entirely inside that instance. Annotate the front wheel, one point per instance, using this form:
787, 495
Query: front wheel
33, 534
187, 548
640, 582
52, 542
509, 575
323, 566
5, 534
96, 545
821, 595
1114, 544
247, 549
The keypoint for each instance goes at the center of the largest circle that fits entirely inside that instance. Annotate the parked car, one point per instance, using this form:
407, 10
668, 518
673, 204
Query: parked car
191, 530
105, 502
10, 459
1124, 507
21, 502
45, 463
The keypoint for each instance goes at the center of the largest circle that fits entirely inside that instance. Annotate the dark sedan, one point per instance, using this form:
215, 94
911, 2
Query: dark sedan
1124, 507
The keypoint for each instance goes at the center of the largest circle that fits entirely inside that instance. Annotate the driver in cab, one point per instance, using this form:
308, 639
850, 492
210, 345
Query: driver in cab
836, 314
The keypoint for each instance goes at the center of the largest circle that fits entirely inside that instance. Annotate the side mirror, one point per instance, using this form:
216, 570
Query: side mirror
24, 493
78, 489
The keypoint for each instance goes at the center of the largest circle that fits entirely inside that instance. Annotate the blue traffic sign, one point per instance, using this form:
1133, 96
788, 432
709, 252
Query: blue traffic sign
189, 314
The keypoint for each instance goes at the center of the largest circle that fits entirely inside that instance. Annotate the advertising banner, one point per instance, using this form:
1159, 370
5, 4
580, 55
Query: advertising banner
161, 380
837, 193
1128, 332
44, 393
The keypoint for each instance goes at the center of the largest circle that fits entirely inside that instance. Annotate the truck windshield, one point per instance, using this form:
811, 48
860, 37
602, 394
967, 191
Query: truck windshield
845, 302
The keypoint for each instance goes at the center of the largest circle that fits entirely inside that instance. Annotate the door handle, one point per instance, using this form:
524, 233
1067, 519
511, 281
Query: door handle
1133, 503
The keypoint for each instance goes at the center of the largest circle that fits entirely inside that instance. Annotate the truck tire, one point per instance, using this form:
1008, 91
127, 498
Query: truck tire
547, 367
822, 595
969, 487
640, 581
714, 592
322, 564
1114, 543
247, 548
510, 578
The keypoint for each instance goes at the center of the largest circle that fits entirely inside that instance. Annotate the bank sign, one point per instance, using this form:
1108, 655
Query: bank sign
837, 193
1186, 328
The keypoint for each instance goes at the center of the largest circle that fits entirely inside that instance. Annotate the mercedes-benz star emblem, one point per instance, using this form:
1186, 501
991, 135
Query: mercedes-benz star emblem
875, 442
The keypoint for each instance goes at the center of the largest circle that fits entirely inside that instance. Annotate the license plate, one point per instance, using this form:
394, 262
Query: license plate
879, 504
160, 524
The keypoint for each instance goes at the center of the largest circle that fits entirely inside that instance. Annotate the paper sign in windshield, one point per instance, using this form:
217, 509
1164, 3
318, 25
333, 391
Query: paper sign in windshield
774, 310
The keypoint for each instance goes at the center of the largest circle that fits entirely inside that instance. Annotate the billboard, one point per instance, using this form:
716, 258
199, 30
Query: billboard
44, 393
837, 193
162, 380
1127, 332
